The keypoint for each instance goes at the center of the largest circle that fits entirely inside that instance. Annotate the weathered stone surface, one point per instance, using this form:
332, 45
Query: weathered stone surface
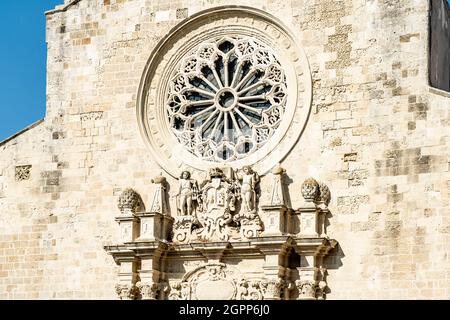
377, 136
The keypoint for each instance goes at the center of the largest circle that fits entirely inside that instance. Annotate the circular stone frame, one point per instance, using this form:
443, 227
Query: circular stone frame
213, 23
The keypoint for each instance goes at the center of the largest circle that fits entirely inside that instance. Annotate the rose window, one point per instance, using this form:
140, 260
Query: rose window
226, 98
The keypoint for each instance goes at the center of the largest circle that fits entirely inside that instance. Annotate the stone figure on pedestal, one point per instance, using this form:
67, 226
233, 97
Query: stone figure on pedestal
187, 194
249, 180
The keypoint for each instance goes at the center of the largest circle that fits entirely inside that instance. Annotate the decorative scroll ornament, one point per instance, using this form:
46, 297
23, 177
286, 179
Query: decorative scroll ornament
250, 290
227, 98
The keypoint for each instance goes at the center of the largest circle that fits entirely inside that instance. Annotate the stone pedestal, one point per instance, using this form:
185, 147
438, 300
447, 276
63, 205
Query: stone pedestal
154, 226
275, 219
309, 220
129, 227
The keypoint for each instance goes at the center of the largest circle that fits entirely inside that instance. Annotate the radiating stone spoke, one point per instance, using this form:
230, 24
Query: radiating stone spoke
253, 86
194, 116
225, 71
216, 125
204, 92
244, 117
261, 97
226, 129
245, 79
236, 125
200, 103
211, 116
209, 83
257, 111
217, 77
236, 74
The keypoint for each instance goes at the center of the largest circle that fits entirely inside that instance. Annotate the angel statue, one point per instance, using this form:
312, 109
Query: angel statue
187, 193
249, 179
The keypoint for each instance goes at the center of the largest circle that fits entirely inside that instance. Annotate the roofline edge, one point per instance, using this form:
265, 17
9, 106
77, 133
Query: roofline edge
61, 8
15, 135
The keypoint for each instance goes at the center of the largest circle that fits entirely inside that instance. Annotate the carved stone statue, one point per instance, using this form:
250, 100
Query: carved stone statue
187, 194
249, 179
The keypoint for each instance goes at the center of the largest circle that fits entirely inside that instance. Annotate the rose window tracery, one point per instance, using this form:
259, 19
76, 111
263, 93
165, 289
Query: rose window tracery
226, 98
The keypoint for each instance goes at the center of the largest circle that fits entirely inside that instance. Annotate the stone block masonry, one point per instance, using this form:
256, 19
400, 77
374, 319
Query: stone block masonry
376, 134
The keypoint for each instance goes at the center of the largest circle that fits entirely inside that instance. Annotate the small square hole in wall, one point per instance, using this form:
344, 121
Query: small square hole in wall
23, 173
182, 13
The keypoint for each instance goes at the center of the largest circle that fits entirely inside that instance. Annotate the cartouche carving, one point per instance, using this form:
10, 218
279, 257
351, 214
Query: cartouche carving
225, 207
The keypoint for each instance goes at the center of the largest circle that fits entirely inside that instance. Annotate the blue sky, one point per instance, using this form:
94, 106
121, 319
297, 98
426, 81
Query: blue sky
22, 63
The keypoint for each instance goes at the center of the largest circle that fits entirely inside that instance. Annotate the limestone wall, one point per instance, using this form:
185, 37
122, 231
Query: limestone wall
377, 136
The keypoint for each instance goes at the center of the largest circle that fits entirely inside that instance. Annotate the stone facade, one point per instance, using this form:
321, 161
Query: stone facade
377, 136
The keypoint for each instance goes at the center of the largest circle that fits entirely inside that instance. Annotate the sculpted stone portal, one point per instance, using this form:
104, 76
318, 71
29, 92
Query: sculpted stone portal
217, 221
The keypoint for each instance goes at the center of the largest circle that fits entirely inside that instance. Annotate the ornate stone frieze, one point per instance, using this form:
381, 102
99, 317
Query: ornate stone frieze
202, 283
